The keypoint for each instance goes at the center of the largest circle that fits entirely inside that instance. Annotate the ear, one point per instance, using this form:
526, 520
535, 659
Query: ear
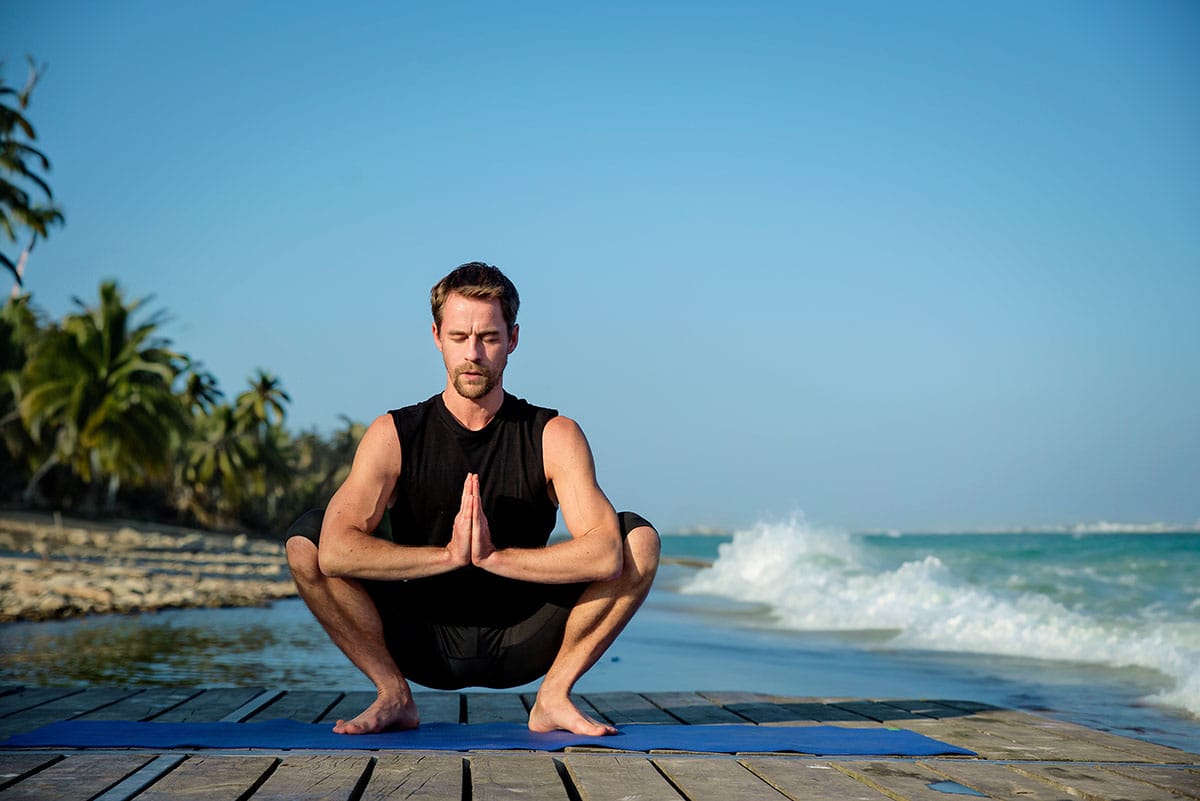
437, 339
512, 338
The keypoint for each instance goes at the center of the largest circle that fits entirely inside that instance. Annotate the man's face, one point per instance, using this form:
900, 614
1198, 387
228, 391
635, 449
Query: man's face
475, 344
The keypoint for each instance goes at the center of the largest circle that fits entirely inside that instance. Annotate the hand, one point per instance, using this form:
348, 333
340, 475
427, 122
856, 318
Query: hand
459, 546
481, 534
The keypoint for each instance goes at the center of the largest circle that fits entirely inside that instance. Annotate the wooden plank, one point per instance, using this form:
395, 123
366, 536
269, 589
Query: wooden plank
1088, 781
349, 707
618, 778
439, 707
626, 707
76, 778
928, 709
211, 778
966, 706
1050, 744
496, 708
987, 745
314, 778
715, 779
139, 780
31, 697
910, 781
254, 704
820, 712
516, 775
143, 705
693, 709
306, 706
421, 777
877, 711
1146, 751
64, 708
765, 709
995, 780
1184, 782
753, 707
210, 706
15, 765
1001, 740
818, 781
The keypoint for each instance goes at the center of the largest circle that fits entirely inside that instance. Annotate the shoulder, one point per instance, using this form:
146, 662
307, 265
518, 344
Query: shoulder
515, 408
379, 448
563, 441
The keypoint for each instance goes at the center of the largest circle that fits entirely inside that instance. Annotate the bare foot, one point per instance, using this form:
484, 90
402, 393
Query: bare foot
388, 712
562, 715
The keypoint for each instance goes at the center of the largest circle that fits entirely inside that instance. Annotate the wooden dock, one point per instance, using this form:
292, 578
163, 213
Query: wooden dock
1020, 756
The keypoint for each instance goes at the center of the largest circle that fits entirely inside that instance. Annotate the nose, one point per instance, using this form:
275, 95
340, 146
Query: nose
474, 348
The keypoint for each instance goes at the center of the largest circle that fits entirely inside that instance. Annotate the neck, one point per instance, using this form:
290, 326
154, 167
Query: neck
476, 413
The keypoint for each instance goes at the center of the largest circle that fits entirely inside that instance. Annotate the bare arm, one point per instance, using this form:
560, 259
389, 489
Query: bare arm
347, 548
594, 552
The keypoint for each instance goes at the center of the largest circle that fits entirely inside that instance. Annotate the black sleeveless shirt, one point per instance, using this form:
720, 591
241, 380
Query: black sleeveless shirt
437, 452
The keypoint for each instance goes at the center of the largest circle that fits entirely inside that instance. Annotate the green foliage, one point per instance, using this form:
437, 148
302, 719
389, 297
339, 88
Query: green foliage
26, 202
104, 414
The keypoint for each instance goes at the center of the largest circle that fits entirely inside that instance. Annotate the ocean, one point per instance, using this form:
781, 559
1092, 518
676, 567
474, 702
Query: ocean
1093, 625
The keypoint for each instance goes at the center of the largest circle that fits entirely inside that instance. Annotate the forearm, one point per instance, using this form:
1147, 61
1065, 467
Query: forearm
361, 556
592, 557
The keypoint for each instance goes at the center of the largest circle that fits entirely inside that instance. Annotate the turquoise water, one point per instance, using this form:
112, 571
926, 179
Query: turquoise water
1126, 601
1098, 629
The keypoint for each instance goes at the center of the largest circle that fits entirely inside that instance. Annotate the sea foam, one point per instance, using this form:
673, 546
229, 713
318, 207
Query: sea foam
821, 579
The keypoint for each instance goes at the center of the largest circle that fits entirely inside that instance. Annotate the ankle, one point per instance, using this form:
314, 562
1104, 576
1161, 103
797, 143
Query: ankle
393, 689
548, 693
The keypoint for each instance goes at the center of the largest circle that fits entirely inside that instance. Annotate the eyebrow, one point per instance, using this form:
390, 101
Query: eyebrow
462, 332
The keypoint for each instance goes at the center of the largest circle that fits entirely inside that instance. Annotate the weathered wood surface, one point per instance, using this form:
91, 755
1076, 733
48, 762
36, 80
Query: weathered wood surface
81, 776
430, 777
593, 775
1021, 756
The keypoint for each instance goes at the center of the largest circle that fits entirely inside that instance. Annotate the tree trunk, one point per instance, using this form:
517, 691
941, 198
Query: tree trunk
110, 497
31, 494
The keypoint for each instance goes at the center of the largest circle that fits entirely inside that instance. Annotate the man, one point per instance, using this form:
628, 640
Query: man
468, 591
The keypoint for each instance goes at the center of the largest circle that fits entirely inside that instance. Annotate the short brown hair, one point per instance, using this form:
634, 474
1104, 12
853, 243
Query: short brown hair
476, 280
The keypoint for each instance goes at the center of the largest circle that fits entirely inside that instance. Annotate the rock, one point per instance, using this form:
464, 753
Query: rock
82, 571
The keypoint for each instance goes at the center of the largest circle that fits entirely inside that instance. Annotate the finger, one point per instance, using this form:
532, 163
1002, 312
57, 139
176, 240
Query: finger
464, 508
476, 512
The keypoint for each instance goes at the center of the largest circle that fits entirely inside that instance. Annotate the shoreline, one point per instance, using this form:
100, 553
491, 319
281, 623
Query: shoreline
54, 567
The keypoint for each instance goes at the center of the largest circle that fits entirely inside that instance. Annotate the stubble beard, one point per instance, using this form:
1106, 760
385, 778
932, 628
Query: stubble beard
473, 390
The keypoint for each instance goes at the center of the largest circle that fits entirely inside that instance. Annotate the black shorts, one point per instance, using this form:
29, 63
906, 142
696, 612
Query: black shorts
452, 656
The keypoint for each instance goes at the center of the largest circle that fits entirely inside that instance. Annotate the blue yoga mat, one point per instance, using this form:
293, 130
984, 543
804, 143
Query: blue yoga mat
290, 734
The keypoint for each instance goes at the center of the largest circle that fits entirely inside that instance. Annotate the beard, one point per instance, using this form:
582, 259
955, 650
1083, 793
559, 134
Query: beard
473, 387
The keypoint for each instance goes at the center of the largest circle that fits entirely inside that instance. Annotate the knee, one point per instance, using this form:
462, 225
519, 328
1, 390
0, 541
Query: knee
643, 547
302, 558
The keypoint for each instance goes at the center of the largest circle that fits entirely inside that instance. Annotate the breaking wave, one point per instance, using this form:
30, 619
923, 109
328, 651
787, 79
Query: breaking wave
1015, 603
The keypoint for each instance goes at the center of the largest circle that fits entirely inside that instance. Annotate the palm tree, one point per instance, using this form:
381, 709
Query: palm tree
20, 327
263, 404
20, 183
261, 411
218, 460
200, 393
98, 390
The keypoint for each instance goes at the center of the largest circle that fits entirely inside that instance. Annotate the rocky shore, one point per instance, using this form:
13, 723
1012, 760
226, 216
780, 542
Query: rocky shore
53, 567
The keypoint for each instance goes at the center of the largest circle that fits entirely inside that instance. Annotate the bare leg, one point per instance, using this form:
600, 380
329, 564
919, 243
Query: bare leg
599, 616
348, 615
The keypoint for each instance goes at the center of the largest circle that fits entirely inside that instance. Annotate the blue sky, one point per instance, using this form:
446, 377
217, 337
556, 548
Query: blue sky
891, 265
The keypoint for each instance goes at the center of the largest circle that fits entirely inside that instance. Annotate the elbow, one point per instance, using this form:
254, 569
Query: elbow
611, 568
332, 563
